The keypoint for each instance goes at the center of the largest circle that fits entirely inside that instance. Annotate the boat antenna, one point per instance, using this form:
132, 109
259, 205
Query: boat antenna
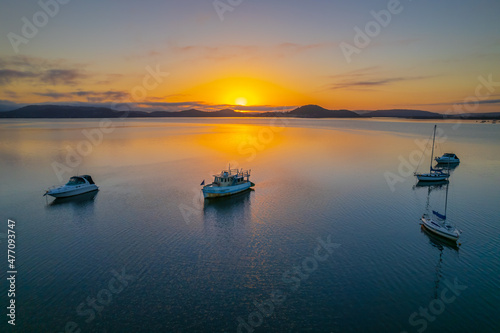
433, 140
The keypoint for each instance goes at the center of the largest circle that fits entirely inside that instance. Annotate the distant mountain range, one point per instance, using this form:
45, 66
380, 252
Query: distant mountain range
306, 111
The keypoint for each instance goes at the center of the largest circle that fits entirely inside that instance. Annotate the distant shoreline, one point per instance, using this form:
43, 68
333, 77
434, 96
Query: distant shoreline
304, 112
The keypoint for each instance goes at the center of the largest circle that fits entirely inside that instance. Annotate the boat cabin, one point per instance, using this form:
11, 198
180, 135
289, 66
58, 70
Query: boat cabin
231, 178
80, 180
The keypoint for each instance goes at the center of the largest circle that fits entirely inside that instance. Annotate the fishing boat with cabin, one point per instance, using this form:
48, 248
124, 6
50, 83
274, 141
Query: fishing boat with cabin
228, 182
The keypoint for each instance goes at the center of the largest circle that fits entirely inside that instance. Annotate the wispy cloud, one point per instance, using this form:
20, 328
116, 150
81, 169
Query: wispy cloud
62, 76
91, 96
147, 106
9, 75
486, 101
39, 71
368, 78
375, 82
199, 105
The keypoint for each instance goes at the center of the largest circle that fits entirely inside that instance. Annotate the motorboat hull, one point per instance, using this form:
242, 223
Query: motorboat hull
446, 160
448, 233
70, 191
211, 191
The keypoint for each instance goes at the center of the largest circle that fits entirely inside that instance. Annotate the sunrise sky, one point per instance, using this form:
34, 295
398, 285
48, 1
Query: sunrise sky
252, 54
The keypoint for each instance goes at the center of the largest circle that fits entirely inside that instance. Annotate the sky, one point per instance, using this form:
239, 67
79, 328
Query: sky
252, 55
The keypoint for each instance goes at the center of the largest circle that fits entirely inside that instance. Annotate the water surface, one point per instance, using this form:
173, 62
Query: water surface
202, 266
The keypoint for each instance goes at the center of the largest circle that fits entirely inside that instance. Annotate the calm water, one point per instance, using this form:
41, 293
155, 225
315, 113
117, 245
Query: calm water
195, 266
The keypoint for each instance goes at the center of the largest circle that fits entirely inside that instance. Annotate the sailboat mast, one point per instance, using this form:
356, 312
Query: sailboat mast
433, 141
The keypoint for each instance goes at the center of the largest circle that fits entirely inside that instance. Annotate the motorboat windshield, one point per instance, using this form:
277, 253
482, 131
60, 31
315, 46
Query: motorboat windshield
75, 181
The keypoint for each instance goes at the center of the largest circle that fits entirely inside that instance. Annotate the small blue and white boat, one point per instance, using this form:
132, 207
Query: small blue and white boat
228, 182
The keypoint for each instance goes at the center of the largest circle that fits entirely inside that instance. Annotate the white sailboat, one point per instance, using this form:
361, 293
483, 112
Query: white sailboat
434, 175
437, 223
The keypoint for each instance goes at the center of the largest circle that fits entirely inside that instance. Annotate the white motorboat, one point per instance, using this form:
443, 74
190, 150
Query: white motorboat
434, 175
448, 158
228, 182
76, 185
437, 223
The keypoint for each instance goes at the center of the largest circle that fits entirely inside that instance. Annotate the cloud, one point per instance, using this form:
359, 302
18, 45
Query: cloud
366, 78
488, 101
6, 105
54, 94
11, 94
199, 105
92, 96
61, 76
9, 75
468, 102
39, 71
375, 82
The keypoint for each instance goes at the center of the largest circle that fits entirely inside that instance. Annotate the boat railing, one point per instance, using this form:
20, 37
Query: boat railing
233, 172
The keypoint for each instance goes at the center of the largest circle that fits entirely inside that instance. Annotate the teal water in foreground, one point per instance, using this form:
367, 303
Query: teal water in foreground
329, 240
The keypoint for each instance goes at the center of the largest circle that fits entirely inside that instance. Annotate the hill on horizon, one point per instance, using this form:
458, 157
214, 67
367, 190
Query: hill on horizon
403, 113
316, 111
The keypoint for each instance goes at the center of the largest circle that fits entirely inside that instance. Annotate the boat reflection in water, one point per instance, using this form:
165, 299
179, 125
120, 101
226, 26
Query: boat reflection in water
228, 211
441, 244
432, 185
446, 166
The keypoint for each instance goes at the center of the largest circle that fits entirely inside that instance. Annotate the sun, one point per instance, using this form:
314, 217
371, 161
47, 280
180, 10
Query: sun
241, 101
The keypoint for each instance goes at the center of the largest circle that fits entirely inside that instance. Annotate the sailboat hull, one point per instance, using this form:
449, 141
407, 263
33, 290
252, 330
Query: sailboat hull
445, 231
432, 177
